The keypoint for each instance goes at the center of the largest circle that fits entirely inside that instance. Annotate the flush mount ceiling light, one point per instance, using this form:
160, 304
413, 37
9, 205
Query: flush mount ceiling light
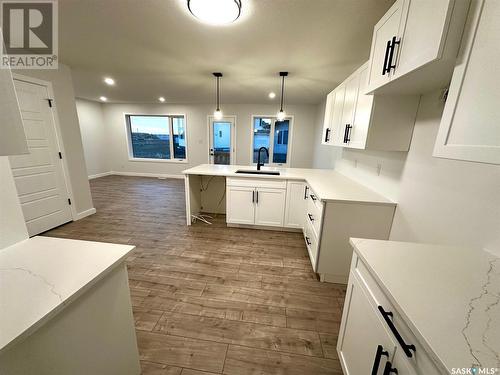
215, 12
272, 95
109, 81
281, 113
103, 99
217, 112
161, 99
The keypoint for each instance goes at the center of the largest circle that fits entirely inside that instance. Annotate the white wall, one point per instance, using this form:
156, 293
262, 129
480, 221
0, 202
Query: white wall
94, 139
303, 134
439, 200
64, 96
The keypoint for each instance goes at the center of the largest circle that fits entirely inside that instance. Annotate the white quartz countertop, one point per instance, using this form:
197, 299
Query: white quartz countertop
42, 275
328, 185
450, 297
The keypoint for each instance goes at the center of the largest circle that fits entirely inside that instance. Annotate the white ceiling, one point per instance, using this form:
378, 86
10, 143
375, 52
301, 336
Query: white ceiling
156, 48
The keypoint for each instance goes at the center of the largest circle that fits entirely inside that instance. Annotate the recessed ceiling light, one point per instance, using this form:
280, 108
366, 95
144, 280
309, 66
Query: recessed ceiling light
272, 95
109, 81
103, 99
215, 12
161, 99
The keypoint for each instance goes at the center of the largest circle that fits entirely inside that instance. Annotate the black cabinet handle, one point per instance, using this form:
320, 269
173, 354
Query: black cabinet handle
327, 135
394, 42
308, 241
311, 218
388, 369
257, 197
347, 132
305, 192
406, 348
378, 356
313, 197
385, 69
253, 196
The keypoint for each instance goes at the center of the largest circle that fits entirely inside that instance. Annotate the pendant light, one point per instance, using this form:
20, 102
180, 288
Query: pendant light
281, 113
215, 12
218, 112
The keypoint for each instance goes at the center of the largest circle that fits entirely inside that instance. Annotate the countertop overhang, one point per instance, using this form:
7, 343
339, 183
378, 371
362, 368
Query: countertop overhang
328, 185
42, 275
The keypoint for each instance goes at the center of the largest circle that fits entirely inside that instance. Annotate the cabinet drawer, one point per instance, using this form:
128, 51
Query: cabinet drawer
257, 182
420, 362
314, 213
311, 244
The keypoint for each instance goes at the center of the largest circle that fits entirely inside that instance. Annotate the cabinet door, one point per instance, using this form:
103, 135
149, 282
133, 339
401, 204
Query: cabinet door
362, 115
338, 107
327, 122
383, 32
469, 127
423, 34
270, 207
295, 204
362, 333
240, 205
350, 97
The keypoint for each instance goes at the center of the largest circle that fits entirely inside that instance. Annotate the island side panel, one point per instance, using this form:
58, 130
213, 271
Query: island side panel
192, 184
95, 334
213, 194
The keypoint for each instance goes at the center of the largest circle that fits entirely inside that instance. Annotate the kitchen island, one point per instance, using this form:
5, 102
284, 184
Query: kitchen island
65, 309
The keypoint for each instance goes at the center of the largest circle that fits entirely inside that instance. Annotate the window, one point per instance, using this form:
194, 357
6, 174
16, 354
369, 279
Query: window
272, 134
157, 137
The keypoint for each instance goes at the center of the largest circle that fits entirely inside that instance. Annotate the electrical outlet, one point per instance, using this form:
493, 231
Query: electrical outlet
379, 168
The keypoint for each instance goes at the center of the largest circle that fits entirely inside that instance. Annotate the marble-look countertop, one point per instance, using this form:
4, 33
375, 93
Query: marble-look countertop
449, 297
328, 185
41, 275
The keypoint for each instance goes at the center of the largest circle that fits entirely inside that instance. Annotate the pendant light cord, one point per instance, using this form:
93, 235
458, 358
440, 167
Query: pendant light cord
282, 90
218, 109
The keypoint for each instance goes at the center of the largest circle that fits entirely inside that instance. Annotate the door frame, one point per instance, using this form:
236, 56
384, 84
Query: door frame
271, 144
59, 140
229, 118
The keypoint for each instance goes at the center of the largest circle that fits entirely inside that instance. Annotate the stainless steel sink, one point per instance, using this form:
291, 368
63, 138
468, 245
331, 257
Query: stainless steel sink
254, 171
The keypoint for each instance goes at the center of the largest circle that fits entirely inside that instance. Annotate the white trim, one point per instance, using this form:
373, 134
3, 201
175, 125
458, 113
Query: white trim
232, 120
57, 127
92, 176
139, 174
81, 215
129, 140
271, 140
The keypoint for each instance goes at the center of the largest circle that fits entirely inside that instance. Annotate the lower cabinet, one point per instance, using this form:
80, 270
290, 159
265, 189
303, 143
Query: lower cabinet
256, 202
296, 200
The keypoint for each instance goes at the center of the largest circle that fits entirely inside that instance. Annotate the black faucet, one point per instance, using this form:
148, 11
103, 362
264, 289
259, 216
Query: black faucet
259, 164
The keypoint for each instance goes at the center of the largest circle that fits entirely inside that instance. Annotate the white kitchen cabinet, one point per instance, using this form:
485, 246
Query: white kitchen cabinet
255, 202
469, 127
378, 122
327, 121
296, 198
415, 44
240, 205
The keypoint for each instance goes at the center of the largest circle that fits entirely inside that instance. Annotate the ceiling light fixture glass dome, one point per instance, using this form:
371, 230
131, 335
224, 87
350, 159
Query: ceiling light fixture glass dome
215, 12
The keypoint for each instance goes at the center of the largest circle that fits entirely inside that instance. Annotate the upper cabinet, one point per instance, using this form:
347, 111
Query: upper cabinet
356, 120
13, 139
414, 46
470, 127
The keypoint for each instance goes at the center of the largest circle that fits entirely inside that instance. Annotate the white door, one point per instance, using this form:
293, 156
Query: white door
383, 32
295, 210
39, 175
240, 206
221, 134
270, 207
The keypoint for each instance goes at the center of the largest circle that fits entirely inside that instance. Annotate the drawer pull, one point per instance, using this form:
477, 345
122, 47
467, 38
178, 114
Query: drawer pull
389, 370
406, 348
308, 241
313, 197
378, 356
311, 218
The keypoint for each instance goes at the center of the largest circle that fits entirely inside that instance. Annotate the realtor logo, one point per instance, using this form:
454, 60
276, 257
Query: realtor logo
29, 31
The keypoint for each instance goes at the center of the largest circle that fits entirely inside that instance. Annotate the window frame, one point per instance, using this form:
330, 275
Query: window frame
273, 118
128, 135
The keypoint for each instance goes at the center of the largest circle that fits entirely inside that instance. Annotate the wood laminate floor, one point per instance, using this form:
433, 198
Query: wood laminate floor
209, 299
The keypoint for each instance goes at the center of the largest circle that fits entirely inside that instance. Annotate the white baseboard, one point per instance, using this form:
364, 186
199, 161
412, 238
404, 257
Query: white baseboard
156, 175
92, 176
81, 215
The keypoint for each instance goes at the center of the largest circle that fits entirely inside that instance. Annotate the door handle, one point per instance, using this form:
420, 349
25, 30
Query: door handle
388, 369
391, 55
347, 133
406, 347
376, 363
387, 49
